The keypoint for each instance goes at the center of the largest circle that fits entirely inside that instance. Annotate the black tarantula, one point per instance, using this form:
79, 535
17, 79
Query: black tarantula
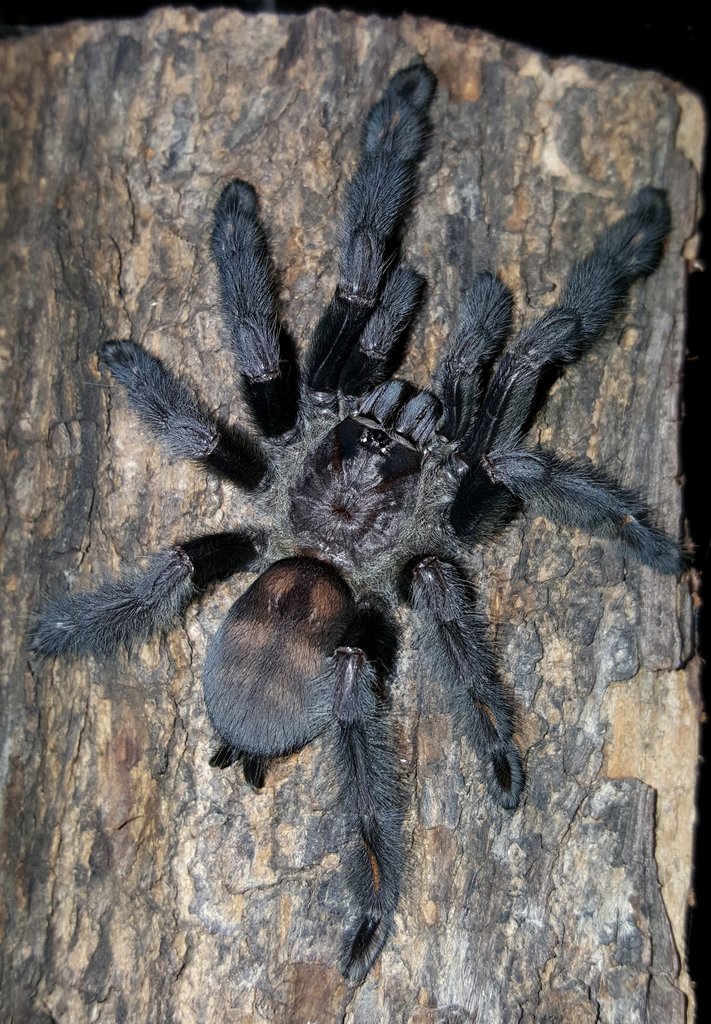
377, 488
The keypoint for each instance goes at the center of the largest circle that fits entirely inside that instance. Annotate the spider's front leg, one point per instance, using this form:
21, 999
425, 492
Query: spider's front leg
269, 371
629, 249
355, 338
482, 327
455, 636
504, 472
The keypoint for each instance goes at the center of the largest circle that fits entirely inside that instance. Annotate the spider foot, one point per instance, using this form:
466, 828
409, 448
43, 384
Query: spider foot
504, 775
362, 950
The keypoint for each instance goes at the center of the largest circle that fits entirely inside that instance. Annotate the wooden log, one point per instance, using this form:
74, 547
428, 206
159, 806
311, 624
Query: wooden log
138, 883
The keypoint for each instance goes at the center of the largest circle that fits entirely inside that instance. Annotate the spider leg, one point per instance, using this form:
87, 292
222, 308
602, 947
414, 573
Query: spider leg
376, 199
371, 785
483, 325
456, 635
594, 292
596, 287
574, 493
136, 604
174, 414
239, 249
371, 361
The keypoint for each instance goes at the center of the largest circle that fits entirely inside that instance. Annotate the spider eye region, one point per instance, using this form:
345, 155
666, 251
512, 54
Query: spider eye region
264, 680
358, 486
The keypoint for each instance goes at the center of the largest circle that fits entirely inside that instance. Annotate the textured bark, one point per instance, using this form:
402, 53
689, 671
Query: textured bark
138, 883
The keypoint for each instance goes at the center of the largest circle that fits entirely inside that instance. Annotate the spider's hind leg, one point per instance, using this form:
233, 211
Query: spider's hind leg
455, 634
371, 784
136, 604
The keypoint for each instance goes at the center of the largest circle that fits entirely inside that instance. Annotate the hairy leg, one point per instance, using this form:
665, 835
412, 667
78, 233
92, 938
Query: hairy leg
456, 636
174, 414
483, 325
372, 360
593, 294
595, 290
239, 249
371, 786
576, 494
375, 202
136, 604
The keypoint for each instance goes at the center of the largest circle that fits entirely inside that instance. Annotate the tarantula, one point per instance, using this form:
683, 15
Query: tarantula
377, 490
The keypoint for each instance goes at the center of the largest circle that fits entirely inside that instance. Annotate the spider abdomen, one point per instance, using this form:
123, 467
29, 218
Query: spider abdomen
263, 680
358, 487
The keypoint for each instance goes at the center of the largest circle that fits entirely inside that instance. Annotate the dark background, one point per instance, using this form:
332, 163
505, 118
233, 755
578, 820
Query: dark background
671, 44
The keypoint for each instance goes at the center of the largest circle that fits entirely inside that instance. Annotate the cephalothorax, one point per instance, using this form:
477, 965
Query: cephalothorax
376, 490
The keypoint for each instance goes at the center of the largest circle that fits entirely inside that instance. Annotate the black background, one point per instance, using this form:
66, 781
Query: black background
671, 44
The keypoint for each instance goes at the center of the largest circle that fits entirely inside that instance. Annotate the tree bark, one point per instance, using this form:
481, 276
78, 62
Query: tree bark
139, 884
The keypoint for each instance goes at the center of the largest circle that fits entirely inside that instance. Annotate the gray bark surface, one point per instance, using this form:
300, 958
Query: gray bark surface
139, 884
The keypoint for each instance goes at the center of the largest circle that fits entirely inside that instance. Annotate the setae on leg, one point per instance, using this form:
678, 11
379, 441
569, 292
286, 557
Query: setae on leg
375, 201
456, 635
371, 788
239, 249
593, 294
574, 493
482, 328
372, 360
174, 414
136, 604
